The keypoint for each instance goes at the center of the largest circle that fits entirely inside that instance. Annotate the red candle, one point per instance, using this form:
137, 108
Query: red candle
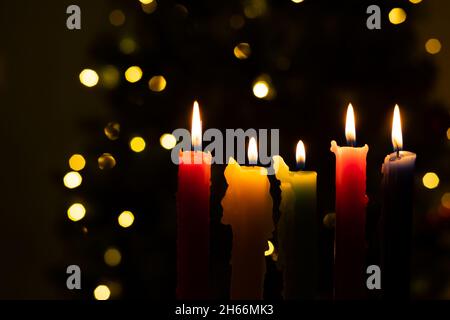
351, 201
194, 174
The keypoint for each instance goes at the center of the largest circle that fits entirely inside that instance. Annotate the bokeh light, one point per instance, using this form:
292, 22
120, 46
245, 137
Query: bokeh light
242, 51
72, 179
106, 161
168, 141
127, 45
149, 7
88, 77
112, 130
137, 144
270, 250
126, 219
433, 46
102, 292
117, 17
415, 1
133, 74
157, 83
146, 1
112, 257
397, 16
76, 212
261, 89
430, 180
445, 200
77, 162
255, 8
297, 1
110, 76
448, 133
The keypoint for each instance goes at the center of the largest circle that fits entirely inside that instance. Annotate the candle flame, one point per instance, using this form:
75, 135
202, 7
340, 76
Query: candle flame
397, 139
350, 133
300, 154
196, 129
252, 151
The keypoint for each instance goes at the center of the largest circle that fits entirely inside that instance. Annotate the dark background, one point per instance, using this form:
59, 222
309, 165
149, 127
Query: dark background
47, 115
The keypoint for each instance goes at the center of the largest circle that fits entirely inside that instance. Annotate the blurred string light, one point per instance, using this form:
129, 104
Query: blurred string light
102, 292
270, 250
445, 200
297, 1
133, 74
106, 161
110, 76
112, 257
137, 144
157, 83
117, 18
242, 51
77, 162
397, 15
262, 87
127, 45
76, 212
415, 1
149, 7
433, 46
448, 133
255, 8
168, 141
146, 1
430, 180
112, 130
72, 180
237, 21
88, 77
125, 219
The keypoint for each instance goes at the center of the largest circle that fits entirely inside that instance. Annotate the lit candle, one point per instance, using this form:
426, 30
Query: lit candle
396, 217
297, 228
194, 174
351, 201
247, 207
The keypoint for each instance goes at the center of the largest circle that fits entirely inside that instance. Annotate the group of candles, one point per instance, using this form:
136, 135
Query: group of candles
247, 207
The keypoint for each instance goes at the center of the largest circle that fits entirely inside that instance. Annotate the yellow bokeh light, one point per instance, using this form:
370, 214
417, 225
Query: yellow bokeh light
433, 46
146, 1
168, 141
242, 51
112, 130
137, 144
102, 292
72, 179
397, 16
126, 219
88, 77
149, 7
448, 133
133, 74
112, 257
261, 89
76, 212
297, 1
106, 161
445, 200
127, 45
77, 162
430, 180
157, 83
415, 1
117, 18
270, 250
110, 77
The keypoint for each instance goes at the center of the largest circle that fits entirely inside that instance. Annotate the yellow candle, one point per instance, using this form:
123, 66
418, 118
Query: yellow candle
297, 228
247, 207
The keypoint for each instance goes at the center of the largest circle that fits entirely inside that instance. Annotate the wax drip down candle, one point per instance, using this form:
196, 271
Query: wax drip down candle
351, 201
297, 228
247, 207
193, 195
396, 216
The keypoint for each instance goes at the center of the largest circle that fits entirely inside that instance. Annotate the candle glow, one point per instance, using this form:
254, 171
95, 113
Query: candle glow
196, 129
397, 139
252, 151
350, 132
300, 154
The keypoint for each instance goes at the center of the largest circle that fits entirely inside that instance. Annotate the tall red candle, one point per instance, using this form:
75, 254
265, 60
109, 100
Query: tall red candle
351, 201
194, 173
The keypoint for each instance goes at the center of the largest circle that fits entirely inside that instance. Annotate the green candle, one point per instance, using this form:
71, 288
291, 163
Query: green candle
297, 229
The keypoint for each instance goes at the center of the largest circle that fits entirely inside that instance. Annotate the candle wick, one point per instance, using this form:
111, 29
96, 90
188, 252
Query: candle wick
398, 153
